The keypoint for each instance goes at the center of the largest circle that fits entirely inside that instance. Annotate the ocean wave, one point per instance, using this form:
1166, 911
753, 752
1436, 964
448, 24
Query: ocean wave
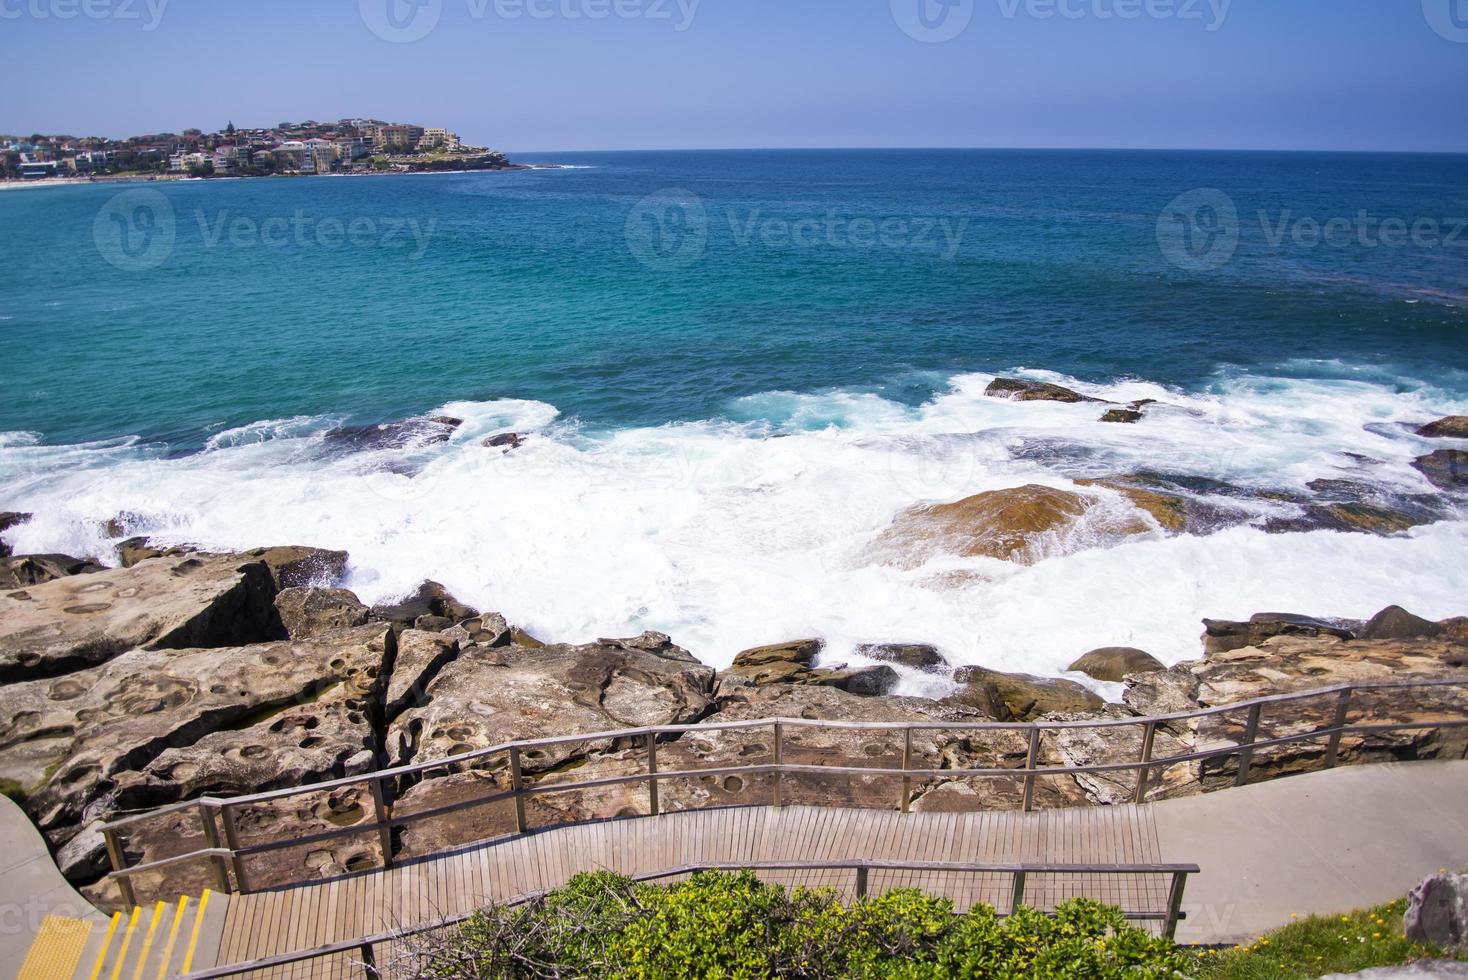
757, 527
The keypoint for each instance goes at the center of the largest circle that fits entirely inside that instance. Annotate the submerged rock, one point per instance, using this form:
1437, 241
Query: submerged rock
1020, 390
166, 603
1006, 524
295, 567
1220, 636
918, 656
1114, 663
505, 441
1452, 427
1020, 697
432, 600
8, 520
1446, 469
1125, 415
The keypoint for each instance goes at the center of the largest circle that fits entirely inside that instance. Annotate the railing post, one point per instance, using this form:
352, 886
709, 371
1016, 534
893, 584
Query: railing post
861, 881
384, 829
1174, 904
652, 772
1149, 736
1031, 761
1018, 898
232, 839
778, 797
906, 767
114, 855
1246, 753
517, 786
211, 834
1333, 744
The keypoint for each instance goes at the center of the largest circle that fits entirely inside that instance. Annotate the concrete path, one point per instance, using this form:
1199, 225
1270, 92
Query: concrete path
1321, 843
33, 889
1325, 842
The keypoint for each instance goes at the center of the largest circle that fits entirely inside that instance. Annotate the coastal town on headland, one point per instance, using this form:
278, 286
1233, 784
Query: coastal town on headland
348, 146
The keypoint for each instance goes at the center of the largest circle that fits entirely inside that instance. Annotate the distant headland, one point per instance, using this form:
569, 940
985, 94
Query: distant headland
348, 146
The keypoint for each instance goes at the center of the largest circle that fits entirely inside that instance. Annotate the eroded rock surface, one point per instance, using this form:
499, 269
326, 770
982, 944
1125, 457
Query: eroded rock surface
150, 727
167, 603
308, 612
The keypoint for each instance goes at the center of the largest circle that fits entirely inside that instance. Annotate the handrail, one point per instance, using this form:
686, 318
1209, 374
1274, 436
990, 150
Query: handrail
523, 786
1018, 874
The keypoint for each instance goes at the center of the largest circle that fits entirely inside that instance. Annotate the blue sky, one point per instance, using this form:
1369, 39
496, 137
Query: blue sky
1270, 74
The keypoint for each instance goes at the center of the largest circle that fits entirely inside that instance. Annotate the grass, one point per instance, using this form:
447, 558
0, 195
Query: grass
1322, 945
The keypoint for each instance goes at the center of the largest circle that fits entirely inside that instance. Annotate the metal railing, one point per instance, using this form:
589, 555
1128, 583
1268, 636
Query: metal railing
229, 856
1018, 874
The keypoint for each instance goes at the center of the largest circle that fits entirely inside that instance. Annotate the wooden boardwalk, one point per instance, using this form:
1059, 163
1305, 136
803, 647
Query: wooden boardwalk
273, 922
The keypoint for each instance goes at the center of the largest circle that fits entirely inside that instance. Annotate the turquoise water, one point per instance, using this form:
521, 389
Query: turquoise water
523, 285
195, 360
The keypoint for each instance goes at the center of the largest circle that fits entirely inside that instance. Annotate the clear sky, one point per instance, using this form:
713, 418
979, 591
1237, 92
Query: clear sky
626, 74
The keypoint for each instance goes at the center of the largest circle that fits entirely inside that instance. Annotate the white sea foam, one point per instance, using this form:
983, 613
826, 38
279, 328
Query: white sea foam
725, 537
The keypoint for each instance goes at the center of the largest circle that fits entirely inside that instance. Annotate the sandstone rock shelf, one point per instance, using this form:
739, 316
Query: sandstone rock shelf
193, 675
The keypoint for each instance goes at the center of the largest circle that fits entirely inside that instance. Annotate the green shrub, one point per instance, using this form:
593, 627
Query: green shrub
735, 926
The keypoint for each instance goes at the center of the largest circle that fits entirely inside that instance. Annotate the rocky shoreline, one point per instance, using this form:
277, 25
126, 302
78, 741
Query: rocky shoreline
181, 674
192, 674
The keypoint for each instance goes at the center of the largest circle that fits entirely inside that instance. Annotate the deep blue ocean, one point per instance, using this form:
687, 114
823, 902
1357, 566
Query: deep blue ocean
180, 354
524, 286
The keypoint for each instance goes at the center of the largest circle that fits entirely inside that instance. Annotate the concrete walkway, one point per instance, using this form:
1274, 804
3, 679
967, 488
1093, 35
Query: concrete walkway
1321, 843
1325, 842
33, 889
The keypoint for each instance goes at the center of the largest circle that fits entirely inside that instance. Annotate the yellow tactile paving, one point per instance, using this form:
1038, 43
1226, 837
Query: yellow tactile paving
57, 949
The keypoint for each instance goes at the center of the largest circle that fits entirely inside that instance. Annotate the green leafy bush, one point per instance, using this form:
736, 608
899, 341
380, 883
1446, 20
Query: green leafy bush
735, 926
